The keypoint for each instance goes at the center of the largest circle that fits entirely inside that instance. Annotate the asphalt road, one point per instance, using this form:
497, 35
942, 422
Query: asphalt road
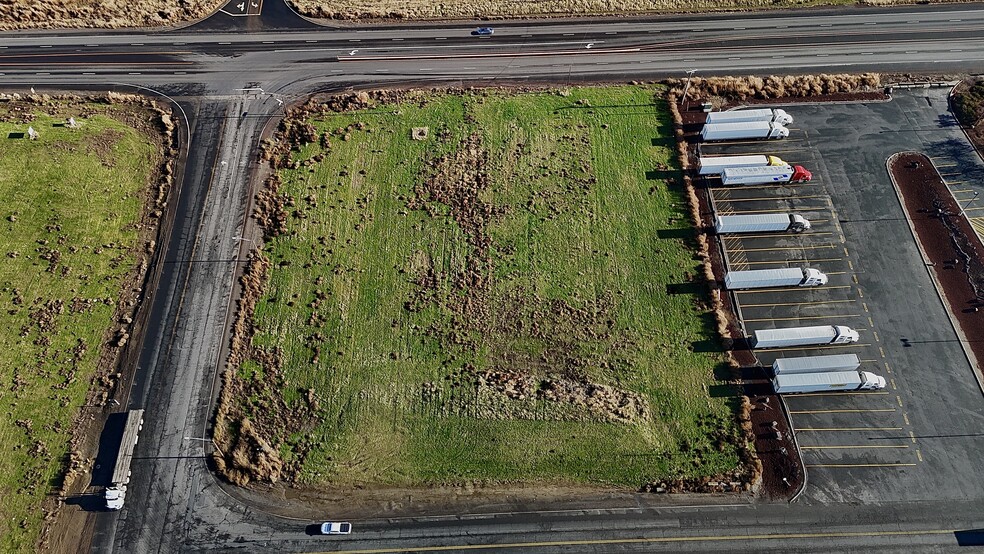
176, 505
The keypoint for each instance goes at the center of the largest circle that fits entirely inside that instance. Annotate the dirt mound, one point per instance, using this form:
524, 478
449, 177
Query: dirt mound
251, 459
64, 14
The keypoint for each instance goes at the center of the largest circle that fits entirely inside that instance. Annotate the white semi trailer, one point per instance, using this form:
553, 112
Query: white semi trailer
714, 165
827, 382
760, 223
764, 278
745, 130
116, 491
816, 364
765, 175
804, 336
773, 115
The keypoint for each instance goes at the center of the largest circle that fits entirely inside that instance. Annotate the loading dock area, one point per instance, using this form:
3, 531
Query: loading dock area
920, 437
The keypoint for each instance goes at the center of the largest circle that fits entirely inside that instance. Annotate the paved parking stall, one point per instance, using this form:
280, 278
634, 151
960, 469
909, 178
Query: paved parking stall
921, 437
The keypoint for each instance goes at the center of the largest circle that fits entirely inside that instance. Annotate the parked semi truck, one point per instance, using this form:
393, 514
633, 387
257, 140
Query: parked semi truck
763, 278
816, 364
744, 130
830, 381
760, 223
116, 491
714, 165
804, 336
765, 175
760, 114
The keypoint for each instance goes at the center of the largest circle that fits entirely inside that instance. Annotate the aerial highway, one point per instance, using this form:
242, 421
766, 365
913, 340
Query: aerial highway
231, 76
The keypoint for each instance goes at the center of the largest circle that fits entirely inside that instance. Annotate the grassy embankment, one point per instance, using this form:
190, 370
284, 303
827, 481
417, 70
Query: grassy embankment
70, 202
509, 299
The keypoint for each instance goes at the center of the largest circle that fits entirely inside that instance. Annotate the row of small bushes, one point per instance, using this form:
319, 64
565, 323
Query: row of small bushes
968, 106
775, 86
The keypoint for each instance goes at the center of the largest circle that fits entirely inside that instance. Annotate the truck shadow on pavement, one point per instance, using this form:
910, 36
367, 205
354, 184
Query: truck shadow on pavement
971, 537
89, 502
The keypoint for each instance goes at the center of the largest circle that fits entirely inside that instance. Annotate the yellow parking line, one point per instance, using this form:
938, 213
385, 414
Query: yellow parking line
951, 183
848, 429
781, 248
854, 446
919, 455
794, 289
775, 198
529, 546
973, 209
945, 165
860, 465
802, 317
797, 261
781, 211
944, 175
818, 303
846, 411
825, 346
784, 141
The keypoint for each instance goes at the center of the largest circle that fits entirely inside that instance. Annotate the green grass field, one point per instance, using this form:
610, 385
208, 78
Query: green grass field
71, 199
491, 303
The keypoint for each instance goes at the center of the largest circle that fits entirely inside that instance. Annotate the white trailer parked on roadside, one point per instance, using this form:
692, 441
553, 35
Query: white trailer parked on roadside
827, 382
774, 115
760, 223
816, 364
745, 130
804, 336
714, 165
786, 277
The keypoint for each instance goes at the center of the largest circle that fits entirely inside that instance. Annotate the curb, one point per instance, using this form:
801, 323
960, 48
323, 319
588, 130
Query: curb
936, 285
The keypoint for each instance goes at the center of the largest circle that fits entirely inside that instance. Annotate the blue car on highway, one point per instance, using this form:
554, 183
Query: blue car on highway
483, 32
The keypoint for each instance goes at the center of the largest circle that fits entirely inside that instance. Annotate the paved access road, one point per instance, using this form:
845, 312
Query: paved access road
176, 505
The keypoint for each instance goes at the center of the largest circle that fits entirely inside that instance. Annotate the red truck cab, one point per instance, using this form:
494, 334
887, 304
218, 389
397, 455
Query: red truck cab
800, 175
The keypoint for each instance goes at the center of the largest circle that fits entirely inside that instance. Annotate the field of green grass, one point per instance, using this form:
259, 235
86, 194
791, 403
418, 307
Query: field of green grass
507, 300
70, 202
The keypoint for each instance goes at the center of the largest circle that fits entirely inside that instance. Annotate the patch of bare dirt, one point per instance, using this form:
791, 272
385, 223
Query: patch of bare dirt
107, 14
955, 252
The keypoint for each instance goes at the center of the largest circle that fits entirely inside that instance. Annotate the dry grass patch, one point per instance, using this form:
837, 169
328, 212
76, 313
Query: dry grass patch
65, 14
478, 9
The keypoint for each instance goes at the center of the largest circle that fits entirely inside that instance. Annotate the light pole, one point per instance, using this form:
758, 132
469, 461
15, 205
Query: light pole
690, 73
967, 205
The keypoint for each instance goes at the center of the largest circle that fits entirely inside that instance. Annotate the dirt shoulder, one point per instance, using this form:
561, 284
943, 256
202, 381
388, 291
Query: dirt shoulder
100, 14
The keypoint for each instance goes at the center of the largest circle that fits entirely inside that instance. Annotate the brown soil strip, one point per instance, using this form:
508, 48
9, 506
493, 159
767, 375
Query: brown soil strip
948, 240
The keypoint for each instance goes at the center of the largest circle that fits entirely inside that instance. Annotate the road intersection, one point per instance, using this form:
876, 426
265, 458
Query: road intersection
231, 75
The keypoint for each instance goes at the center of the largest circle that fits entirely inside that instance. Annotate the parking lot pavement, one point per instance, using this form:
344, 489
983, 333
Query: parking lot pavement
922, 436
